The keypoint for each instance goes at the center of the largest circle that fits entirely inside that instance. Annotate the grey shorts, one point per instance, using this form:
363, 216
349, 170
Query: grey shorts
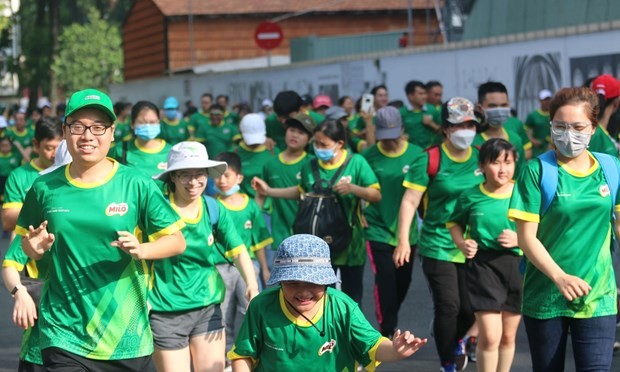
172, 330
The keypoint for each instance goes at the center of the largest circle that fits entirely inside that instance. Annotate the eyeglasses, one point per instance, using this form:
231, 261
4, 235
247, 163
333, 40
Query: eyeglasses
560, 127
96, 130
186, 178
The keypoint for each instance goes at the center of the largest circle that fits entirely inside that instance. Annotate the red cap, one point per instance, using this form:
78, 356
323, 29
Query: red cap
606, 85
322, 101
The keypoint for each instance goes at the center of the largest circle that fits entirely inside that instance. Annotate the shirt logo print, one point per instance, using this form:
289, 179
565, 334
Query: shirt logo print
113, 209
248, 225
405, 169
478, 172
210, 240
327, 347
604, 190
162, 166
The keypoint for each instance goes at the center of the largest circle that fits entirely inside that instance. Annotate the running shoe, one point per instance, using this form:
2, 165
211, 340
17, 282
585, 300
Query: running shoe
460, 355
448, 368
472, 344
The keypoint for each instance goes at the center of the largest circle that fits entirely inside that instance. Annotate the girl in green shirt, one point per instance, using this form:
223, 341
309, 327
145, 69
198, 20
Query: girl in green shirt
490, 245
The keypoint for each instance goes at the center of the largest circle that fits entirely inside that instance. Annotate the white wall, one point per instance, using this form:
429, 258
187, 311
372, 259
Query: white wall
525, 67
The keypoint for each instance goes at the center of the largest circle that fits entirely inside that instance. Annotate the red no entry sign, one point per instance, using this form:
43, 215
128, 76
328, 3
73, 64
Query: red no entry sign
268, 35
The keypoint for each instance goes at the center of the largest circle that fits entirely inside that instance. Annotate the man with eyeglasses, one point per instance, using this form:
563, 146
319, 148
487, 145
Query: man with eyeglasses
80, 220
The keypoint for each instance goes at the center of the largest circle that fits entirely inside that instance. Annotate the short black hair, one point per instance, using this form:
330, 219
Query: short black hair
216, 106
432, 84
410, 86
342, 99
233, 160
140, 106
493, 148
287, 102
207, 95
47, 129
120, 106
375, 89
222, 96
490, 87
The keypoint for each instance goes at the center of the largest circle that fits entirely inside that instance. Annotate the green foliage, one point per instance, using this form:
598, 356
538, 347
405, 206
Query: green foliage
89, 55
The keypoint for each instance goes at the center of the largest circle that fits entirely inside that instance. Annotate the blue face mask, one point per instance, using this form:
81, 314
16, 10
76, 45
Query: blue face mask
230, 192
324, 154
12, 122
147, 131
171, 114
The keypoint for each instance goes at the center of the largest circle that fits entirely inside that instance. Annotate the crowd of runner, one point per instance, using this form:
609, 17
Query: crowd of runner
143, 232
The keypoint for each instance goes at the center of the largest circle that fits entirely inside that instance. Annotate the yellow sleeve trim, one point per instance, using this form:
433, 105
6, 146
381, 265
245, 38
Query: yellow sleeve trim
524, 216
375, 186
617, 208
414, 186
11, 263
527, 146
177, 226
236, 137
235, 251
21, 231
450, 225
372, 355
261, 245
359, 145
11, 205
301, 189
232, 355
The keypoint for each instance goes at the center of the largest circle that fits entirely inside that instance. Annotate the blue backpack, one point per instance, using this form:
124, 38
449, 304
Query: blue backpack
213, 210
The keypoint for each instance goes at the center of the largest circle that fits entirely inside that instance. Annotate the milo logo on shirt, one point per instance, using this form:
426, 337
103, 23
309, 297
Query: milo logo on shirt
405, 169
329, 346
162, 166
298, 175
248, 225
604, 190
120, 209
478, 172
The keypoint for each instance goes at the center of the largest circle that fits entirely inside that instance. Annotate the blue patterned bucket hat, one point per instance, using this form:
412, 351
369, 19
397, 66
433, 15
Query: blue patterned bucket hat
303, 258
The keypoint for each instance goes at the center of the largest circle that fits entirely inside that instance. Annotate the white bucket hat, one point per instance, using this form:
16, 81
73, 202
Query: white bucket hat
191, 155
61, 158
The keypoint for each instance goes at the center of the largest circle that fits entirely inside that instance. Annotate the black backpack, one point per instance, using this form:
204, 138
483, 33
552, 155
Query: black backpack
321, 214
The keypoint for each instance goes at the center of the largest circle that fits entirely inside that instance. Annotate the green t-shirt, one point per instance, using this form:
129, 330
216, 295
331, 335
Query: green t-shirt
94, 300
420, 134
146, 161
9, 161
174, 131
275, 340
199, 120
24, 138
217, 139
390, 169
356, 139
511, 137
538, 122
484, 216
15, 257
601, 142
515, 125
318, 118
18, 184
252, 163
279, 173
195, 268
576, 231
357, 172
231, 118
250, 225
276, 131
454, 177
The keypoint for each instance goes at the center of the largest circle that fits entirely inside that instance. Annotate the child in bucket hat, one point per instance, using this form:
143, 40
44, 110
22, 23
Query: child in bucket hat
302, 322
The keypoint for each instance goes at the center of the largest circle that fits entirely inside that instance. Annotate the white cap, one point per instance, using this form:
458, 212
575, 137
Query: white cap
61, 158
3, 123
253, 129
43, 102
544, 94
191, 155
266, 103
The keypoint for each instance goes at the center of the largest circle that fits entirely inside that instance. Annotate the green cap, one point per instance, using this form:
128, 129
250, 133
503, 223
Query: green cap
90, 98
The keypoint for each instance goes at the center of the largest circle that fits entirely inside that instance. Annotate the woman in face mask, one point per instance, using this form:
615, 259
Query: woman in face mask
441, 174
357, 182
569, 283
146, 153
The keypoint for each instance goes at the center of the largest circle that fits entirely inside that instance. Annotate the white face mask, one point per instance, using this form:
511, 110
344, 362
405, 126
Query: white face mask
462, 139
571, 144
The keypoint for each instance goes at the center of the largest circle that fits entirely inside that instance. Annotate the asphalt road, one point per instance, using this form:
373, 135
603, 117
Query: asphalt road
415, 315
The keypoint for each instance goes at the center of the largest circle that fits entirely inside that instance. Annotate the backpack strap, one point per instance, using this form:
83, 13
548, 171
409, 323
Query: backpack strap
125, 145
548, 179
339, 172
213, 210
314, 164
434, 156
612, 176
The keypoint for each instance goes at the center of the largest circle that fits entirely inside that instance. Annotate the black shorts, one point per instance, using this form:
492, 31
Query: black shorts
26, 366
59, 360
494, 281
172, 330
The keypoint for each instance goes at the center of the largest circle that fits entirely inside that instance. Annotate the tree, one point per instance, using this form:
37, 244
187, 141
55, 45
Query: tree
89, 55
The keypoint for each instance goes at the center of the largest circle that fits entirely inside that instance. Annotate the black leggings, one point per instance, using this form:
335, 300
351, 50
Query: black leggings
391, 284
352, 278
452, 310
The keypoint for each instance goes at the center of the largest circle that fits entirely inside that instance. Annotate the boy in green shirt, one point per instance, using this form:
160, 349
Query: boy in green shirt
302, 322
174, 128
537, 124
21, 136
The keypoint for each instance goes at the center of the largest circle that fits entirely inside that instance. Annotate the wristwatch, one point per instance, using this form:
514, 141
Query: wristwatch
17, 288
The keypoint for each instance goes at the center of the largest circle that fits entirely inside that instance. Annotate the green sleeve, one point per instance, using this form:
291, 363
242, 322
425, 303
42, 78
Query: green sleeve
365, 175
364, 338
530, 121
15, 255
227, 234
31, 212
157, 217
417, 176
248, 339
13, 192
460, 214
526, 197
260, 234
